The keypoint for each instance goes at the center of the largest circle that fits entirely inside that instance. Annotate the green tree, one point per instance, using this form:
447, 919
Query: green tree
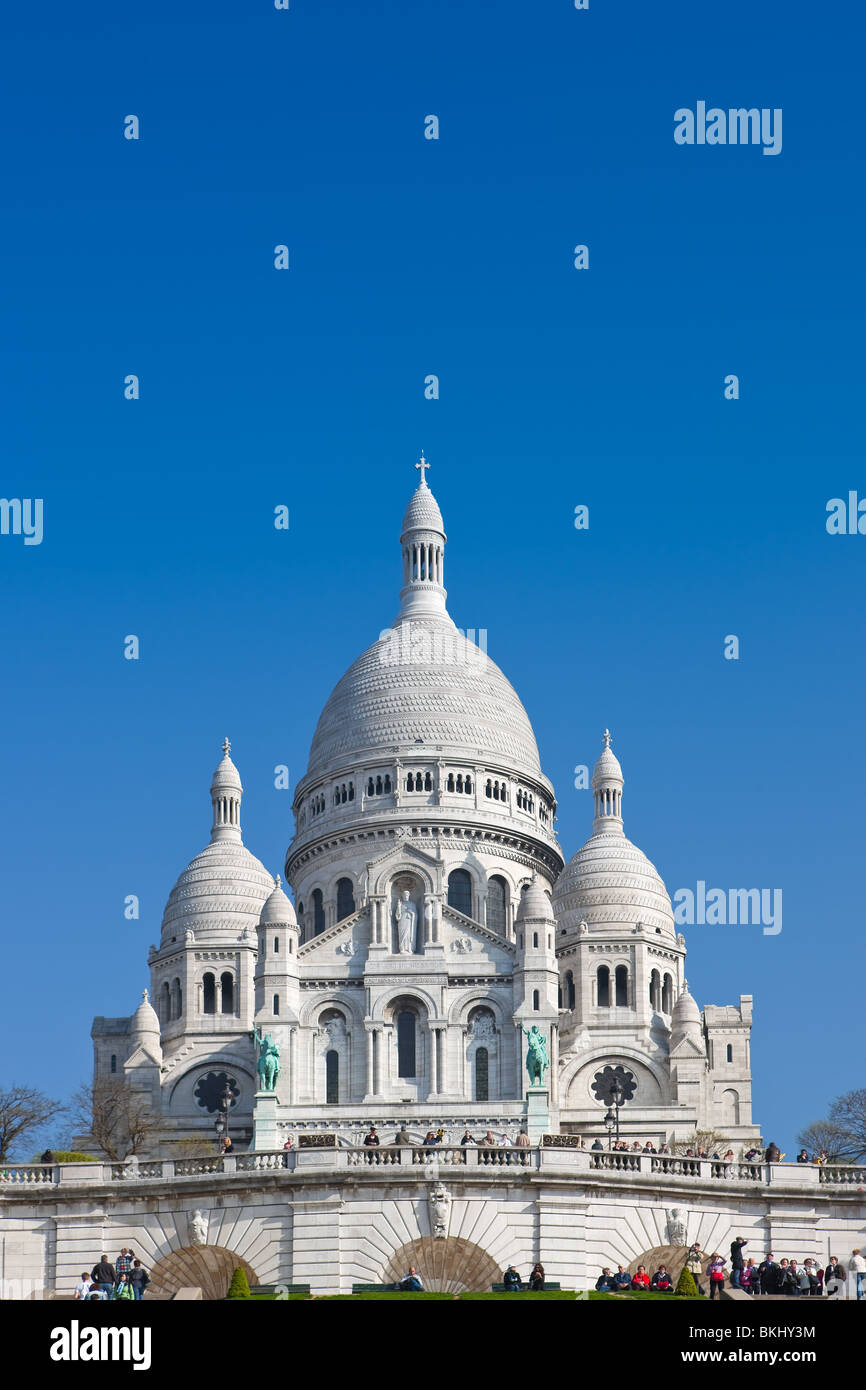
686, 1286
239, 1287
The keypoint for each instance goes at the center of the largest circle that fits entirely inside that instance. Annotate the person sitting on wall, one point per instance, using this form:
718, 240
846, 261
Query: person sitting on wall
605, 1282
512, 1280
411, 1282
640, 1279
622, 1279
661, 1280
536, 1278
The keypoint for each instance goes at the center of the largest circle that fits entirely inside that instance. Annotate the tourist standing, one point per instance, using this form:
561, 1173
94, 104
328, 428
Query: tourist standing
857, 1268
716, 1274
102, 1275
139, 1279
695, 1265
84, 1286
737, 1261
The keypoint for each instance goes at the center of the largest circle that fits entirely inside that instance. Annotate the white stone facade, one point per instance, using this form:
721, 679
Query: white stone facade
434, 922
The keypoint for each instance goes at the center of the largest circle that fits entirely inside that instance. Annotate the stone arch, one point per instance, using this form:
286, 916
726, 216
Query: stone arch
391, 870
344, 1000
577, 1076
672, 1256
383, 1008
452, 1265
476, 998
224, 1061
207, 1267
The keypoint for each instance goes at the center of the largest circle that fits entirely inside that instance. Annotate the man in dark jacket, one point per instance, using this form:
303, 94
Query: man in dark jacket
767, 1275
835, 1276
512, 1281
622, 1279
103, 1275
773, 1153
737, 1261
604, 1283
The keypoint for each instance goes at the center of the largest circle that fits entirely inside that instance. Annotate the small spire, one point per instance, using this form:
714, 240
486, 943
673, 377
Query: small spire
145, 997
277, 880
606, 737
227, 748
422, 464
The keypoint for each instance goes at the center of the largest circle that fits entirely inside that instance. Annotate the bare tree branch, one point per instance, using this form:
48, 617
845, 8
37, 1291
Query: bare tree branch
23, 1111
117, 1117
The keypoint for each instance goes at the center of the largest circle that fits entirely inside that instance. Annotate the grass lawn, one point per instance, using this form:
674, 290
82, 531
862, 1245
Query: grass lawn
562, 1295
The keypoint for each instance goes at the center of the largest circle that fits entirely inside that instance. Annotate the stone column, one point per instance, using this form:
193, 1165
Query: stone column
371, 1073
293, 1066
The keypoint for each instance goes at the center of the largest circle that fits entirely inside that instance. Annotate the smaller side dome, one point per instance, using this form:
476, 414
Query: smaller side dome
145, 1023
534, 905
278, 910
686, 1016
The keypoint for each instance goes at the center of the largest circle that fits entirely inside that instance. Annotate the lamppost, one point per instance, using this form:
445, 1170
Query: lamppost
222, 1124
617, 1096
609, 1122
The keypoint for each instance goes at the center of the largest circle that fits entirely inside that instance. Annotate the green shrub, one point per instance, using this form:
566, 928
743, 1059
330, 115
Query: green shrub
239, 1287
66, 1156
686, 1286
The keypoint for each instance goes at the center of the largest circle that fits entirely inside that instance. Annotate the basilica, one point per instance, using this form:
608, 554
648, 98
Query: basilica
433, 923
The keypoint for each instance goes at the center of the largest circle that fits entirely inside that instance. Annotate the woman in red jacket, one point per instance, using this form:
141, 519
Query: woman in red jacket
640, 1280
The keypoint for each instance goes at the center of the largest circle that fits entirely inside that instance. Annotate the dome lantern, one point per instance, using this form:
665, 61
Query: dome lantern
422, 540
607, 785
225, 794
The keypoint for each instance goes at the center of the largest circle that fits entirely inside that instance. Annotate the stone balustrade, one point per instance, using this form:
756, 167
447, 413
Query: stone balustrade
559, 1161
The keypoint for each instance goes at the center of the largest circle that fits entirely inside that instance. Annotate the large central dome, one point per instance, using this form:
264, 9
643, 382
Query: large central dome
424, 684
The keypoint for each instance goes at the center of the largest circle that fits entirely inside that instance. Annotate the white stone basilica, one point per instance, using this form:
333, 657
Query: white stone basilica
435, 921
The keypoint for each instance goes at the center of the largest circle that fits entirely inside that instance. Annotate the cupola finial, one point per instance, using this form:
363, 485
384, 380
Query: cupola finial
606, 737
227, 748
423, 464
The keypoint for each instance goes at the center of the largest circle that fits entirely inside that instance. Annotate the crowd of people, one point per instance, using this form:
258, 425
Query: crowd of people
434, 1138
127, 1278
791, 1278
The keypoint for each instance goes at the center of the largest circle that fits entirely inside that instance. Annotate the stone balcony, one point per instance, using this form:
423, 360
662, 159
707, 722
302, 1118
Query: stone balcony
549, 1160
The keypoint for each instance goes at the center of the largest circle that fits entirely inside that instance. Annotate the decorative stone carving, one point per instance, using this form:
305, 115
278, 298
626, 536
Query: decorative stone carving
406, 917
583, 929
346, 948
189, 936
678, 1225
483, 1024
440, 1210
197, 1224
461, 944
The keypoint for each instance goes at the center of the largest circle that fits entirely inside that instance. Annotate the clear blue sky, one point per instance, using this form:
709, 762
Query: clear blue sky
558, 387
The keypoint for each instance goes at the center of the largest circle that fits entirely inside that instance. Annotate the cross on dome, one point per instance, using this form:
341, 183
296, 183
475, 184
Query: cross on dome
423, 464
606, 737
226, 747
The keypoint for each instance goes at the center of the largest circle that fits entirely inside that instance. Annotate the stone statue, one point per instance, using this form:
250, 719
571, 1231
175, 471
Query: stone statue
406, 917
537, 1057
197, 1226
440, 1208
268, 1065
677, 1226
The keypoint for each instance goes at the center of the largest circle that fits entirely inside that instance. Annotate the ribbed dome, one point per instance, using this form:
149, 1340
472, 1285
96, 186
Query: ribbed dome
686, 1016
610, 882
219, 893
278, 909
423, 511
424, 686
607, 768
145, 1022
226, 778
534, 904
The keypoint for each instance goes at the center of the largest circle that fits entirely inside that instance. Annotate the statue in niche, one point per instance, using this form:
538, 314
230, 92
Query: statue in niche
406, 917
483, 1025
677, 1218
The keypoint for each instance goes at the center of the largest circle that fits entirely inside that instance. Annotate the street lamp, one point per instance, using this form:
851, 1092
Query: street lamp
222, 1124
609, 1122
617, 1095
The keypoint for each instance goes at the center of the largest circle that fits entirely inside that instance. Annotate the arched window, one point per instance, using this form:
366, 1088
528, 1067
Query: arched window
351, 791
209, 994
622, 986
332, 1077
449, 785
668, 994
300, 914
379, 785
405, 1043
387, 781
276, 1004
345, 898
535, 938
730, 1053
536, 1002
730, 1104
482, 1074
488, 790
318, 912
428, 782
497, 900
371, 790
113, 1063
467, 785
165, 1002
559, 996
655, 990
460, 891
176, 999
228, 992
603, 983
569, 989
276, 945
